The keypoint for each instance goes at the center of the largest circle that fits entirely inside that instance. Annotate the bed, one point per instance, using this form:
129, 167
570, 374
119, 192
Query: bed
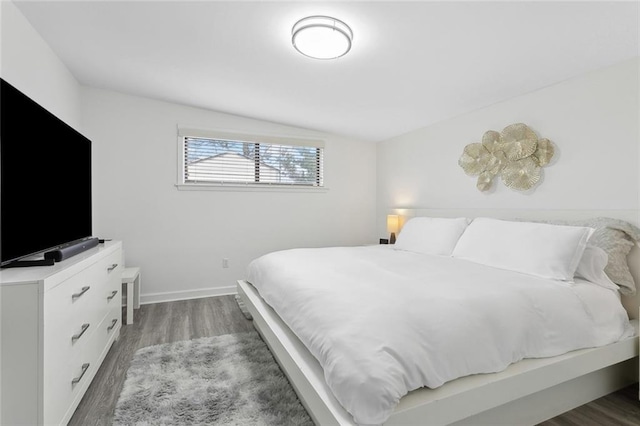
525, 392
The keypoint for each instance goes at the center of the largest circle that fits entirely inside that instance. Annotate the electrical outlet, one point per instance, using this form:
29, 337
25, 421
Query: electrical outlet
225, 262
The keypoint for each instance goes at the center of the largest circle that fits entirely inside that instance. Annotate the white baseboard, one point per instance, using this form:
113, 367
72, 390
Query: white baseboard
171, 296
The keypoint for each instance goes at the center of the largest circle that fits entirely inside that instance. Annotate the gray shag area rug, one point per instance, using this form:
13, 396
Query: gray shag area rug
224, 380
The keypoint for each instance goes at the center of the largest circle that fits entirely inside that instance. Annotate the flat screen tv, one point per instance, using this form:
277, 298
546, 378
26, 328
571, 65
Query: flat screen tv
45, 179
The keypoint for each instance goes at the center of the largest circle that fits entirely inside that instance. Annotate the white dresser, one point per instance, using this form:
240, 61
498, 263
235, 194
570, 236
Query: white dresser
57, 323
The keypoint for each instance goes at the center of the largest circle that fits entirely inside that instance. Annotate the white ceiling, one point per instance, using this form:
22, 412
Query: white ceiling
412, 63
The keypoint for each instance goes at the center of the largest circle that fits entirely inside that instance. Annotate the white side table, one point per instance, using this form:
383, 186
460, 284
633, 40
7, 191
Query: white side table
131, 279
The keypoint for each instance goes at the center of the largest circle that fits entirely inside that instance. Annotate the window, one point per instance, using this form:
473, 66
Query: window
217, 158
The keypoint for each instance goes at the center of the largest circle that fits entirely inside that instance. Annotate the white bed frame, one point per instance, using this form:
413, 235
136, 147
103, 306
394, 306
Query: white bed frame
526, 393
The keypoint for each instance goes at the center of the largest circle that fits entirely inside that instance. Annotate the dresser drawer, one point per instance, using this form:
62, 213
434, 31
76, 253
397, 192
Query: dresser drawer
105, 331
66, 304
110, 266
99, 272
68, 323
59, 389
84, 298
66, 379
110, 294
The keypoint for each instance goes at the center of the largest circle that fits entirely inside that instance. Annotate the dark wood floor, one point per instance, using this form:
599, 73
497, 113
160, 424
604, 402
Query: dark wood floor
191, 319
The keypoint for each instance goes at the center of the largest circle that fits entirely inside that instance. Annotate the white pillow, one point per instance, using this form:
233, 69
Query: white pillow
591, 267
548, 251
431, 235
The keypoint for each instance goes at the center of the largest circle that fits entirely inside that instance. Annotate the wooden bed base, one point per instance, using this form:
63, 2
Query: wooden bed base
526, 393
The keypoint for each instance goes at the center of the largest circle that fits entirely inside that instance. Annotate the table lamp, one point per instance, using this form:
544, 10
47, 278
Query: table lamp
393, 223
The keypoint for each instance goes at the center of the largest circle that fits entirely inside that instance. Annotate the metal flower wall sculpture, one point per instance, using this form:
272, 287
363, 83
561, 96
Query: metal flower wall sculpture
516, 154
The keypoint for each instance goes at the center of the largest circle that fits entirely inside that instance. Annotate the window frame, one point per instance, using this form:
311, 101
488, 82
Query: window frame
190, 132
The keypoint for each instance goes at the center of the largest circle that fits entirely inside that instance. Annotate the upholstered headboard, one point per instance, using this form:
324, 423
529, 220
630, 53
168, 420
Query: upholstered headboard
631, 303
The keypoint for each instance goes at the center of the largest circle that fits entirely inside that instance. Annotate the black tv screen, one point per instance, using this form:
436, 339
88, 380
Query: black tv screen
45, 179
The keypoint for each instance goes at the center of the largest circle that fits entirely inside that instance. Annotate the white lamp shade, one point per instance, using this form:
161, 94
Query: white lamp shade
393, 223
321, 37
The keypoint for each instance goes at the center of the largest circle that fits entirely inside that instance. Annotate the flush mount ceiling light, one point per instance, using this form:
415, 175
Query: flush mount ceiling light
321, 37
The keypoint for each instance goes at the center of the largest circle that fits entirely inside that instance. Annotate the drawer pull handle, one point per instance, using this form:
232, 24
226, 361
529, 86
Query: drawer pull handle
84, 290
85, 367
79, 335
113, 294
113, 324
112, 267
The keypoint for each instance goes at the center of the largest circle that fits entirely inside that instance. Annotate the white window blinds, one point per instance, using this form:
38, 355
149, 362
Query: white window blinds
217, 160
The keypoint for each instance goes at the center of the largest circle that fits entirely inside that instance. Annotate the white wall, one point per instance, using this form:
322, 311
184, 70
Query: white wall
179, 238
592, 119
29, 64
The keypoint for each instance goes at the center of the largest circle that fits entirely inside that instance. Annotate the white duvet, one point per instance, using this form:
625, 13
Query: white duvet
383, 322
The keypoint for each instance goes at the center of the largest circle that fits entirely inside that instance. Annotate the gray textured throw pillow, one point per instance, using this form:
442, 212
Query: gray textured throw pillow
617, 238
